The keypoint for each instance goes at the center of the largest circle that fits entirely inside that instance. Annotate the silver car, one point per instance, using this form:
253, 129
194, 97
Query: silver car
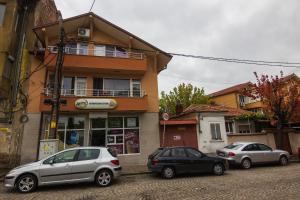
80, 164
247, 153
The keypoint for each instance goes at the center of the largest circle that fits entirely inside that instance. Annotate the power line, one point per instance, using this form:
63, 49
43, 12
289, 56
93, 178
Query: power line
92, 6
242, 61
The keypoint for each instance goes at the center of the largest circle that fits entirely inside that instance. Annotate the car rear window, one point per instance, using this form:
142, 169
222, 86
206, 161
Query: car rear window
156, 152
112, 152
233, 146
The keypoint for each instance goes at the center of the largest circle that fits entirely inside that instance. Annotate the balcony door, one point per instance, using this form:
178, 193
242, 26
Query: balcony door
97, 86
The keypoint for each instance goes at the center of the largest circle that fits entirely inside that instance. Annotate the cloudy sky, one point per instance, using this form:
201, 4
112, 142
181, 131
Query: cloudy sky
257, 30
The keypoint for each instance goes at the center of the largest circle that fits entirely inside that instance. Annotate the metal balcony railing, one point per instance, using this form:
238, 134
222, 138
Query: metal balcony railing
96, 93
99, 52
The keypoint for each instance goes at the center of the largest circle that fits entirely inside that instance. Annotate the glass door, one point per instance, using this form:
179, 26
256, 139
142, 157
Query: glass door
98, 132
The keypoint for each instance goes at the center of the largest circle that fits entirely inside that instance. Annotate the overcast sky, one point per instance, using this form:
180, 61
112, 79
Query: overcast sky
257, 29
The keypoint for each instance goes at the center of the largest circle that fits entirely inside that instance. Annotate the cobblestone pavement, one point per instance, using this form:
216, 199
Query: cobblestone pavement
265, 182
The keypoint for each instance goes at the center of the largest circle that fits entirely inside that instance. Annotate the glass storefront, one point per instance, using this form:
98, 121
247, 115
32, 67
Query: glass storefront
120, 133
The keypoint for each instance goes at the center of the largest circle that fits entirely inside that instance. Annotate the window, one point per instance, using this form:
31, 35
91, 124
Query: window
233, 146
2, 13
251, 147
88, 154
244, 128
166, 153
123, 134
67, 156
242, 100
74, 85
82, 49
71, 48
80, 86
263, 147
136, 88
215, 131
178, 152
229, 126
117, 87
99, 50
193, 153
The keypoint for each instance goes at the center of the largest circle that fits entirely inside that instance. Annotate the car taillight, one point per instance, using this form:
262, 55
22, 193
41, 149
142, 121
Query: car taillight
231, 154
115, 162
154, 162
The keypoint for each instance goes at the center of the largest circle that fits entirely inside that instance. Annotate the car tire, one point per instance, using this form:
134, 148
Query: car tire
246, 163
283, 160
218, 169
104, 178
168, 172
26, 183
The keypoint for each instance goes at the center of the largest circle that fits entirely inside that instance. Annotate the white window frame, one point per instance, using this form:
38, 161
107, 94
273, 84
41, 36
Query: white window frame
216, 138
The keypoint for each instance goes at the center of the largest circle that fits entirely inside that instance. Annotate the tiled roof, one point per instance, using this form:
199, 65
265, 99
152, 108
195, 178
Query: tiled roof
228, 111
178, 122
235, 88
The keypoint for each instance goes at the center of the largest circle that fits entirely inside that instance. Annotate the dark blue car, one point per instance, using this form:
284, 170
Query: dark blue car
169, 161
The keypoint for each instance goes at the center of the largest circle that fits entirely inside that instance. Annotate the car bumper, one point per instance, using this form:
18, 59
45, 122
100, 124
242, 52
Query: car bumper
154, 169
117, 172
230, 160
9, 181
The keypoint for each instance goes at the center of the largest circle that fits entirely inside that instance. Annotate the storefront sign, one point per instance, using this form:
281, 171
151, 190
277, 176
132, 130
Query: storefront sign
48, 147
95, 103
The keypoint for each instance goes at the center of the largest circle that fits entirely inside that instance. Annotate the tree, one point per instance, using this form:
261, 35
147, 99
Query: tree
279, 96
183, 95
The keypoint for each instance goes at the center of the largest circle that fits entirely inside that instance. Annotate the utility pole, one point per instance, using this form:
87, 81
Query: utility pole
55, 102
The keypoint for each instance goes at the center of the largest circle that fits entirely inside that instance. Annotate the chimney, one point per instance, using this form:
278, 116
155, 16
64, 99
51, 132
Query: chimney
179, 108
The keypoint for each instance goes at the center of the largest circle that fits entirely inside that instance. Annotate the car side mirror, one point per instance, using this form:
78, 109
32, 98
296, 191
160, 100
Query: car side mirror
51, 162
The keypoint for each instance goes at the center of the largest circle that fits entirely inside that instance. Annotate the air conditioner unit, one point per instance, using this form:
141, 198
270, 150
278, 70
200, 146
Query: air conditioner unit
84, 32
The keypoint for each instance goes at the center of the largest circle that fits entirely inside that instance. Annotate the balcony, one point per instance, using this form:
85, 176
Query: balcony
83, 59
126, 100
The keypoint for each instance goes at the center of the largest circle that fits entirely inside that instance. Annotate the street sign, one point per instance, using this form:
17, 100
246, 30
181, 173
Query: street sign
165, 116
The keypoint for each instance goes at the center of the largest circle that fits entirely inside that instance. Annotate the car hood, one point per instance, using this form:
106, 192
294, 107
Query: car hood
29, 165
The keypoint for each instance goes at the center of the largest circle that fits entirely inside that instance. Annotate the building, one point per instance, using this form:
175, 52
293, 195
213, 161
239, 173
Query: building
17, 44
109, 84
233, 97
204, 126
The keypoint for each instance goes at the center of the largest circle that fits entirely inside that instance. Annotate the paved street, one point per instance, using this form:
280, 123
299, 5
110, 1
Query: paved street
265, 182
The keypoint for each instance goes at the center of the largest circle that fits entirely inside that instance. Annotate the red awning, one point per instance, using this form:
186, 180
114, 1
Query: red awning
178, 122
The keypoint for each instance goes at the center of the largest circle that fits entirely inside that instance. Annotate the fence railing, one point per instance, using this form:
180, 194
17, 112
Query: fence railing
96, 93
99, 52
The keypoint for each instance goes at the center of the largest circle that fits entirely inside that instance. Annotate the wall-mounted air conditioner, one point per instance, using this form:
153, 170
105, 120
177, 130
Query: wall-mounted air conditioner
84, 32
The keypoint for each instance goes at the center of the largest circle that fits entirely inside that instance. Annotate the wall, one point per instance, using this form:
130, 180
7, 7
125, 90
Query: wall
295, 141
229, 100
264, 138
206, 144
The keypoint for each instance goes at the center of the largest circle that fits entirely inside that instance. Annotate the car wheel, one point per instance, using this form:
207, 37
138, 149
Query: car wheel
218, 169
168, 172
283, 160
104, 178
26, 183
246, 163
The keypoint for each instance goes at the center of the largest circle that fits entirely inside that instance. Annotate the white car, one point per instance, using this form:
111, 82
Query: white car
246, 154
80, 164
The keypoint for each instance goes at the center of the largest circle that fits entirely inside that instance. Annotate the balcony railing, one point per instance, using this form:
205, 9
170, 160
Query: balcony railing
99, 52
97, 93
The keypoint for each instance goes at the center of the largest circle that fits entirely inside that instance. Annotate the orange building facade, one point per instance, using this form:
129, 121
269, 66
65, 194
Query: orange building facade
109, 85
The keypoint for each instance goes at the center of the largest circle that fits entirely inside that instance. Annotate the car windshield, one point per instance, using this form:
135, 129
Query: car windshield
233, 146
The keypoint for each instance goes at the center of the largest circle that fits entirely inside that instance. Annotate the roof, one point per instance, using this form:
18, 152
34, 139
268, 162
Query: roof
212, 108
178, 122
71, 24
235, 88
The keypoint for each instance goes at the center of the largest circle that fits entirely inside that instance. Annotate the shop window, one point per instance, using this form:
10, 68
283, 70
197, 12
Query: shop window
131, 122
115, 122
132, 143
215, 131
2, 13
